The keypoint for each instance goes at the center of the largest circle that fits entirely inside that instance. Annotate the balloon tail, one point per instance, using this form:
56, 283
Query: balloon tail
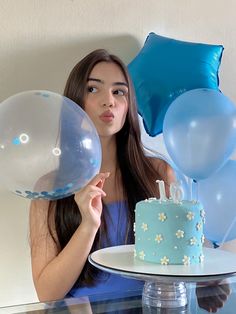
193, 190
190, 184
228, 231
195, 185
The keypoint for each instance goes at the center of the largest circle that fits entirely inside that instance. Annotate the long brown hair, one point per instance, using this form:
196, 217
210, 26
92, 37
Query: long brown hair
137, 172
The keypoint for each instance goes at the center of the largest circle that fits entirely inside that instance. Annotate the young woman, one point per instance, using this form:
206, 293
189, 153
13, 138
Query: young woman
64, 232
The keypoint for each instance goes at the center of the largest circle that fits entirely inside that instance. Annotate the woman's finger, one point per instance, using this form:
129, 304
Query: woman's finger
87, 191
99, 177
94, 194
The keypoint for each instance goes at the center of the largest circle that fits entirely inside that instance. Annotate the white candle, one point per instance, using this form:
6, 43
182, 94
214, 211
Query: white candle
176, 192
162, 190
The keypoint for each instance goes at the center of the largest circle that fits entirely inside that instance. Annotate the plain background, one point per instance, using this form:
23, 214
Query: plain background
41, 40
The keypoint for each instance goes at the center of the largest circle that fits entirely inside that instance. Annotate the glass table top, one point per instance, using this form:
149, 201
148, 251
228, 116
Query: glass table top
203, 297
195, 289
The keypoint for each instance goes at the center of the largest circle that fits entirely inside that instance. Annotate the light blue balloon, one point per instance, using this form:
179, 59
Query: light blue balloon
218, 196
49, 147
200, 132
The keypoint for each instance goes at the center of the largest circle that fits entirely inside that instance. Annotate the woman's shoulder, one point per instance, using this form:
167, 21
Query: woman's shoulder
42, 224
39, 211
164, 169
39, 207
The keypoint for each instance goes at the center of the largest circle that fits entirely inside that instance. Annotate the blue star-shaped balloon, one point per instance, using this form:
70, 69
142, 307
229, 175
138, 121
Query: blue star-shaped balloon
164, 69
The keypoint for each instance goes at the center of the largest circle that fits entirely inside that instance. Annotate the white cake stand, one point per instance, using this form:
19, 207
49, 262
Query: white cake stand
164, 285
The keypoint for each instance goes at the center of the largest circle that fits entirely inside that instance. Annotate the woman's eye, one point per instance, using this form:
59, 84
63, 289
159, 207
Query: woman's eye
92, 89
120, 92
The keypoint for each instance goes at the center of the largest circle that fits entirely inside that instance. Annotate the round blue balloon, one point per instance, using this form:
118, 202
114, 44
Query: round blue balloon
200, 132
217, 194
49, 147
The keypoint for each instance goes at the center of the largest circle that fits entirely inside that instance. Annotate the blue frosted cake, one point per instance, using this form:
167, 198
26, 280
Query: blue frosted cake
168, 232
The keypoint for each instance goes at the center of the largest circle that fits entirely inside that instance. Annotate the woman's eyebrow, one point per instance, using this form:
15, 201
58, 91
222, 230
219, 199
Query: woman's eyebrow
102, 82
95, 80
120, 83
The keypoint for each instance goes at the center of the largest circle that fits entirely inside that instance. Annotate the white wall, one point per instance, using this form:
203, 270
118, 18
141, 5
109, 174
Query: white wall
41, 40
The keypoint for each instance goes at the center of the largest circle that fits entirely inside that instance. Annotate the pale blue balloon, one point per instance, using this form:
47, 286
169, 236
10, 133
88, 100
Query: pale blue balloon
218, 196
200, 132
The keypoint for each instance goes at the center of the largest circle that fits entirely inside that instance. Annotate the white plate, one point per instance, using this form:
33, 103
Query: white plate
120, 260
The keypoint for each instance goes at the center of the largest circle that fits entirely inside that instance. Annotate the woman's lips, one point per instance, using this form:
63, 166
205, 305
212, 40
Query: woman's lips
107, 116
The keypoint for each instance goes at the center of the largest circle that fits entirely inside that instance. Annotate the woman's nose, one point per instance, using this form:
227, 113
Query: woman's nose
107, 104
108, 100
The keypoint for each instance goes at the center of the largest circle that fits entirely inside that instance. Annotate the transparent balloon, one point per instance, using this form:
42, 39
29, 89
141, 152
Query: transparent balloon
49, 147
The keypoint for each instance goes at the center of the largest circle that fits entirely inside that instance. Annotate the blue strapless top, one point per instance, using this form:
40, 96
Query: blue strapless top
111, 284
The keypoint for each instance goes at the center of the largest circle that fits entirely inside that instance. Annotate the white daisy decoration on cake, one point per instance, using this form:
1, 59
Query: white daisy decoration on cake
199, 226
179, 234
141, 255
202, 213
203, 238
144, 227
159, 238
201, 258
134, 227
186, 260
165, 260
190, 215
193, 241
162, 217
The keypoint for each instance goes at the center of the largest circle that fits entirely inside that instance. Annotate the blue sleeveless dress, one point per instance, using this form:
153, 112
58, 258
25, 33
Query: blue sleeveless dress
109, 285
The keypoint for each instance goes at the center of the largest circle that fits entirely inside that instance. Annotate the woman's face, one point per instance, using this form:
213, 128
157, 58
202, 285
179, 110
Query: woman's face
106, 99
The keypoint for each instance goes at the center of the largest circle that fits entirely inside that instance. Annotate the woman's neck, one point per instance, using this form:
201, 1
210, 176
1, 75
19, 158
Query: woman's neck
112, 185
109, 158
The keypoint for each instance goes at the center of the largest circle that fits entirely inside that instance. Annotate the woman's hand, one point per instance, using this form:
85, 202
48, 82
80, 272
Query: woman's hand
89, 200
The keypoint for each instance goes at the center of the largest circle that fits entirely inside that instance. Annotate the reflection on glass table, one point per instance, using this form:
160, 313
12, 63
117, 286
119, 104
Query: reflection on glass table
203, 297
165, 285
212, 296
207, 289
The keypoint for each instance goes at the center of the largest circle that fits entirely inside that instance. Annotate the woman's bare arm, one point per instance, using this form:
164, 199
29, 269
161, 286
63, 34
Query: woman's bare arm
55, 271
